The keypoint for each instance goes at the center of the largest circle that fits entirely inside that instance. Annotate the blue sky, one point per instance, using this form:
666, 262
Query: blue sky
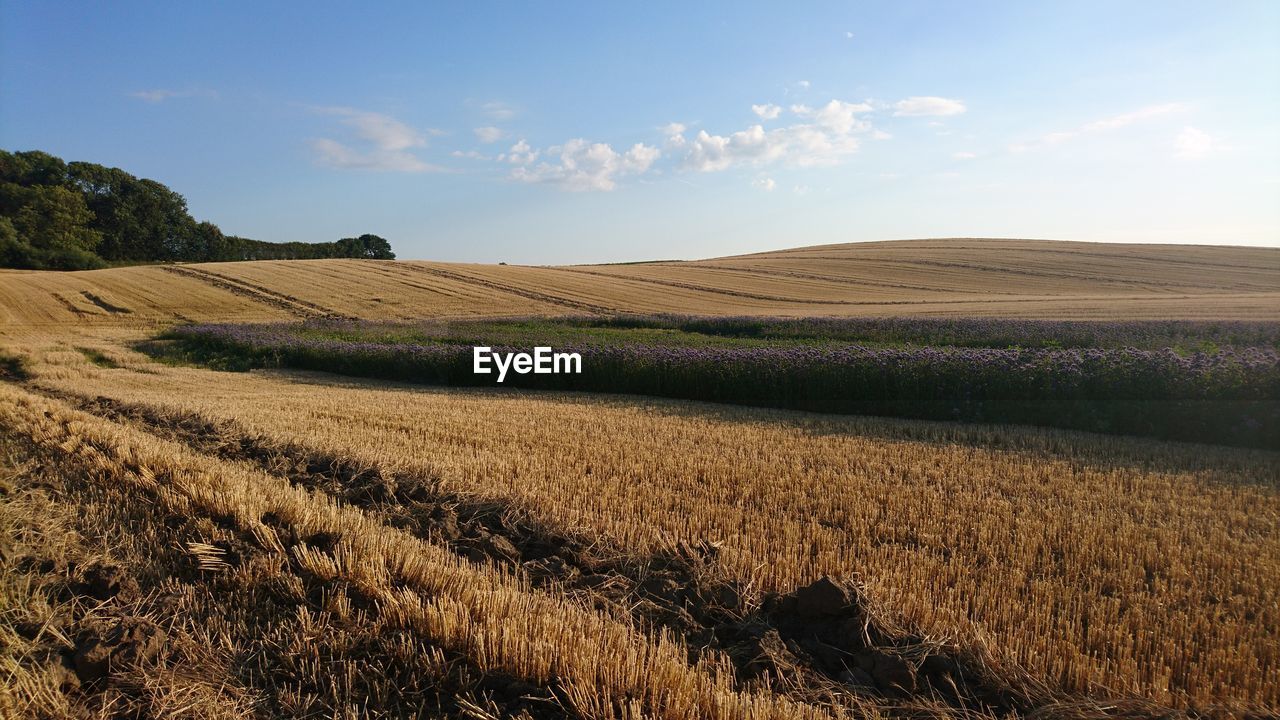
556, 132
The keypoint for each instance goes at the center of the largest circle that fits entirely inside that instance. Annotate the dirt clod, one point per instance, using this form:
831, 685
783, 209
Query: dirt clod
93, 659
761, 653
501, 548
445, 522
825, 597
105, 581
129, 641
893, 673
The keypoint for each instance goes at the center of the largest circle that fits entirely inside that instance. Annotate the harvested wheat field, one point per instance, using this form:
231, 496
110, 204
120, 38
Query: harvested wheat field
184, 541
959, 277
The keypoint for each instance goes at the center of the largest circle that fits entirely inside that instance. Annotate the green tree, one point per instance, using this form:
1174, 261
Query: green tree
65, 215
366, 246
32, 168
50, 229
138, 219
14, 252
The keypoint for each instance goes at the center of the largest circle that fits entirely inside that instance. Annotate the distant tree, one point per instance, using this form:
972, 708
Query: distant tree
32, 168
207, 243
138, 219
47, 229
13, 252
71, 215
368, 246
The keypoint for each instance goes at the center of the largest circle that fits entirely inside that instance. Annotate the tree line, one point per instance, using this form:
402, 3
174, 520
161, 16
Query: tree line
58, 215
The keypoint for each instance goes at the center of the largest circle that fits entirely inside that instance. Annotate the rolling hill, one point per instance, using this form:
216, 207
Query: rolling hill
287, 543
949, 277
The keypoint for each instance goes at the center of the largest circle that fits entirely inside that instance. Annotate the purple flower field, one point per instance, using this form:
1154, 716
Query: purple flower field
1229, 394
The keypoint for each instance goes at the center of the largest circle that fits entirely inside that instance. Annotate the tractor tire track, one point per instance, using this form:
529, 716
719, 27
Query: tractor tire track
1024, 272
407, 277
427, 677
840, 280
706, 289
519, 291
288, 303
824, 643
802, 301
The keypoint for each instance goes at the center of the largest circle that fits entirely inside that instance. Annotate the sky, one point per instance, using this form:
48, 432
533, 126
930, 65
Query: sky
558, 132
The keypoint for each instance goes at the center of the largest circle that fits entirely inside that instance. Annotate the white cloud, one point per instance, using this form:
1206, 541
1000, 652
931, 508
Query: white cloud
154, 96
673, 129
764, 183
497, 110
1194, 143
927, 106
335, 154
160, 95
384, 131
1130, 118
388, 143
489, 134
767, 111
581, 166
800, 189
839, 117
469, 154
803, 84
520, 154
828, 134
964, 155
1104, 125
880, 135
848, 35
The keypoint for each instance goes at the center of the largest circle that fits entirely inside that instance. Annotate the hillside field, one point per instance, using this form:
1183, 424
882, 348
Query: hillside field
959, 277
184, 541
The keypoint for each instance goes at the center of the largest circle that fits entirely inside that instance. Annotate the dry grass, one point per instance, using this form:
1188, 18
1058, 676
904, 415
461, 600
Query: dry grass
490, 617
996, 532
928, 277
1103, 566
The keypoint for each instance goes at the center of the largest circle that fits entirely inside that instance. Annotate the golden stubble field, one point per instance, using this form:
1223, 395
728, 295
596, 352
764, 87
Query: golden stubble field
1111, 571
968, 278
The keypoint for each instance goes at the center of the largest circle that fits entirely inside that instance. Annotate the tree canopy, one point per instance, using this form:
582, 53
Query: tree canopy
67, 216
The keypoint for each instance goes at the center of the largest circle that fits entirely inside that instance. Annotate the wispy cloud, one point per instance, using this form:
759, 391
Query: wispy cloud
1130, 118
335, 154
1107, 124
964, 156
579, 165
923, 106
827, 134
764, 183
160, 95
1194, 144
767, 111
387, 143
497, 110
489, 134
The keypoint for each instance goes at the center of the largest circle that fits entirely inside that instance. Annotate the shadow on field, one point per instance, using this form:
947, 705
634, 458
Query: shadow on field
1215, 462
